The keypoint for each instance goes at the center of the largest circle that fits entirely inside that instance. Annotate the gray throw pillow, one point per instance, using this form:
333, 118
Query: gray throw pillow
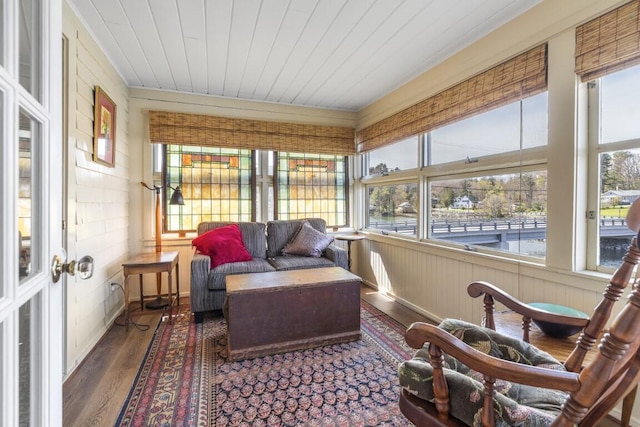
308, 242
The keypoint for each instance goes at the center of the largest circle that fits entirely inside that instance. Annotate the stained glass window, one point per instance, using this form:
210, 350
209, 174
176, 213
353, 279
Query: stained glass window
312, 186
215, 184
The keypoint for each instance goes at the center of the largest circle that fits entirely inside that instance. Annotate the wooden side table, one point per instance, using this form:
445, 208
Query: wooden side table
349, 238
152, 262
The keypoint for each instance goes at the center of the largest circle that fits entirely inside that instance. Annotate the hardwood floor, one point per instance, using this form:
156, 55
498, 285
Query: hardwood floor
95, 392
391, 308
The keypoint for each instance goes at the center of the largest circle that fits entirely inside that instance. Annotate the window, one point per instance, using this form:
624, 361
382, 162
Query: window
505, 212
476, 196
620, 107
265, 209
402, 155
312, 186
617, 163
215, 184
496, 207
393, 208
516, 126
226, 184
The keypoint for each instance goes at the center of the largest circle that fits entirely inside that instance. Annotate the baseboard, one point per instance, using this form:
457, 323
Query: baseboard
425, 313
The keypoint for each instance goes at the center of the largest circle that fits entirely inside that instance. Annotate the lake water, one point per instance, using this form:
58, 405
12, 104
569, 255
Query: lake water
610, 255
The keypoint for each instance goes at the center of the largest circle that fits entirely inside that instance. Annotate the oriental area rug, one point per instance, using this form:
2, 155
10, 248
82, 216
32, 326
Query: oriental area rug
185, 379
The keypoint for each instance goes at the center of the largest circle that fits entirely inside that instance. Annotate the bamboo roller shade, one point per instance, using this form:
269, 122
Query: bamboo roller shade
522, 76
609, 43
196, 129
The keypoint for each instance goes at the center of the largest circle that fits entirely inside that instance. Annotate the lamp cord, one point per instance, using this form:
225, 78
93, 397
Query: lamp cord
138, 326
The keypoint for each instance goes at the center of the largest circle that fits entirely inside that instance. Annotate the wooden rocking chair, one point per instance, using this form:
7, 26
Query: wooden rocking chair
470, 375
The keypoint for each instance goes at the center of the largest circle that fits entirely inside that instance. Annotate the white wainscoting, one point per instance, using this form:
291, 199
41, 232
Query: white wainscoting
433, 280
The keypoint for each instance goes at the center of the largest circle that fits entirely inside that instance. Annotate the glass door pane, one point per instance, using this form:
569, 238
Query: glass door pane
30, 50
29, 339
3, 363
3, 178
28, 233
2, 32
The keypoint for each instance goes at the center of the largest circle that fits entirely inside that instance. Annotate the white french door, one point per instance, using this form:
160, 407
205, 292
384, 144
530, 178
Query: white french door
30, 213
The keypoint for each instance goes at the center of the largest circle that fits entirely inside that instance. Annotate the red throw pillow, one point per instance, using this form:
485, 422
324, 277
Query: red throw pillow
223, 245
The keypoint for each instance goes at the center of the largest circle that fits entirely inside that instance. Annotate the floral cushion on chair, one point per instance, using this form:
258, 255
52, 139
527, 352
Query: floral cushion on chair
515, 404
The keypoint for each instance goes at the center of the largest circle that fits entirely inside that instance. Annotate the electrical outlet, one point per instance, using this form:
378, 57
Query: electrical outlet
114, 286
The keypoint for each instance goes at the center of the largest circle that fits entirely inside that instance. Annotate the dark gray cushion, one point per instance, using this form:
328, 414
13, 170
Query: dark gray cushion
338, 256
307, 242
282, 263
279, 233
218, 275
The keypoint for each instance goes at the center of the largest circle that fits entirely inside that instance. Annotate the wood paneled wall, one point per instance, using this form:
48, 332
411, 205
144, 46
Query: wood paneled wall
97, 196
433, 280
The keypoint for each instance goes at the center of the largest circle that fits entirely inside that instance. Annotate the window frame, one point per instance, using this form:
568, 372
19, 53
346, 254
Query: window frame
533, 166
518, 161
264, 177
366, 158
593, 196
167, 190
404, 179
276, 211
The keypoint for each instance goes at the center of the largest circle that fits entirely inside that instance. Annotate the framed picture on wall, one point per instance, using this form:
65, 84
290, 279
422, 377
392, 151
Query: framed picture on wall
104, 129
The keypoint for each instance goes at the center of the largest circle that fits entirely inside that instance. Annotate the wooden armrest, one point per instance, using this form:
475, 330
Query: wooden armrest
420, 333
476, 289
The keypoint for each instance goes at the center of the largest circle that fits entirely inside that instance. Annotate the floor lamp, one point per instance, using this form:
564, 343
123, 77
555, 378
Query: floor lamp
176, 199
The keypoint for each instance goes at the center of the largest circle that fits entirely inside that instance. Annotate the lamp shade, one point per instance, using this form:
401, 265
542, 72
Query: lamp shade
176, 197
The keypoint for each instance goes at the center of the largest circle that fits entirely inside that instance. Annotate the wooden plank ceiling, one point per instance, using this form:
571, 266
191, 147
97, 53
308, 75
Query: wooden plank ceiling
337, 54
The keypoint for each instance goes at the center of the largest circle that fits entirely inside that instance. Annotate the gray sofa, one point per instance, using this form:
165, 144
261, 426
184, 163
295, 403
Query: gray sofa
265, 243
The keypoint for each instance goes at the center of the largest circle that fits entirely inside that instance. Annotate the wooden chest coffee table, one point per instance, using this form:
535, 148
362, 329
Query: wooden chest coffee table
281, 311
